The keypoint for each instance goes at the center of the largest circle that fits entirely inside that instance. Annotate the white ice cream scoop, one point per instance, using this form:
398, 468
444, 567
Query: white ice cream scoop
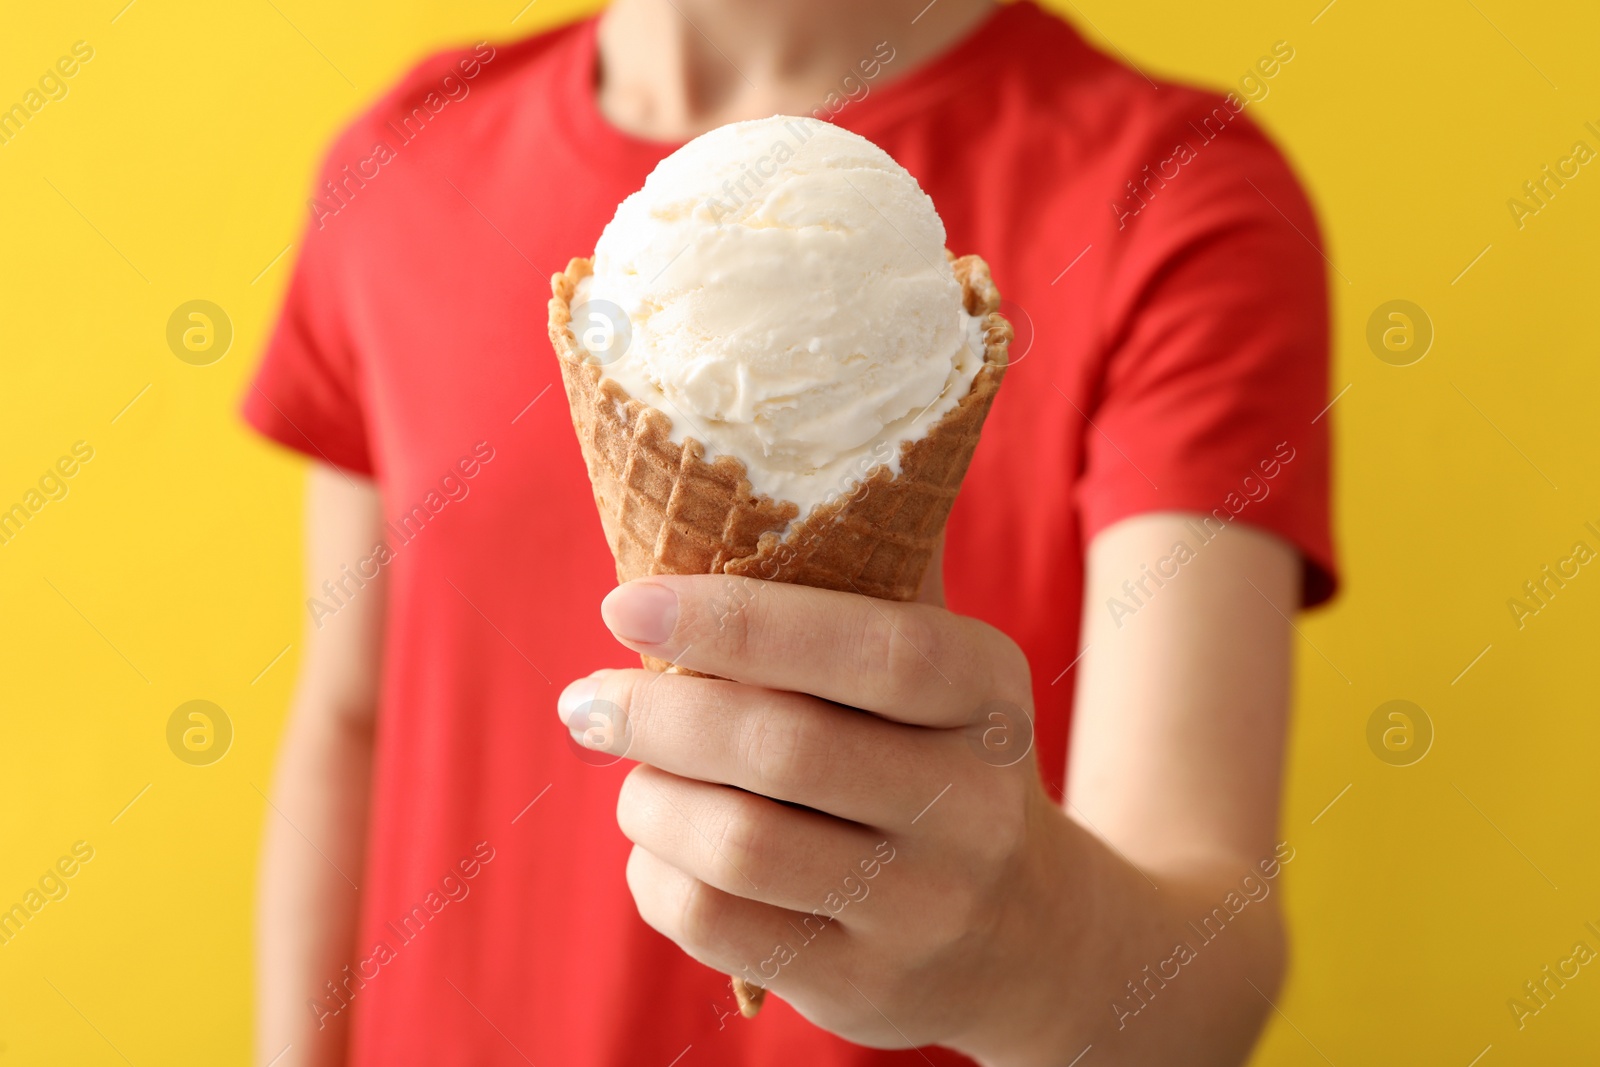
780, 290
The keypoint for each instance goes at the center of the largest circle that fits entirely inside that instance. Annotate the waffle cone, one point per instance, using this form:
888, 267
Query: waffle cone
667, 509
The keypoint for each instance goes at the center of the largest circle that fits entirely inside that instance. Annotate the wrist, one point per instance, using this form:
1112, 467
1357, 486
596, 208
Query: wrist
1025, 1018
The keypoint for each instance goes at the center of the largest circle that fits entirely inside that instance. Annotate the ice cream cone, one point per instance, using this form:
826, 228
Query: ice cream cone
667, 509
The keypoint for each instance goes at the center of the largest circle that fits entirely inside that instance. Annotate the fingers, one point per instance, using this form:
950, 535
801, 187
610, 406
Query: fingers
787, 746
752, 847
758, 942
911, 662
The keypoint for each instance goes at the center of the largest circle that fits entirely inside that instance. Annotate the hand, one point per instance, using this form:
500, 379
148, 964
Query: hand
853, 819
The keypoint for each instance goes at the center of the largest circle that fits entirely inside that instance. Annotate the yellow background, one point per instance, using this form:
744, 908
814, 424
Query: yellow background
176, 168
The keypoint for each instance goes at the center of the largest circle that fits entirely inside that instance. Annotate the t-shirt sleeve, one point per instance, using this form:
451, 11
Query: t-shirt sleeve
309, 392
1215, 379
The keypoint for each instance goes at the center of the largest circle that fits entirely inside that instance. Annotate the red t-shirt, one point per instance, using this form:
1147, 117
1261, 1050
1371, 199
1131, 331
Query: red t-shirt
1172, 354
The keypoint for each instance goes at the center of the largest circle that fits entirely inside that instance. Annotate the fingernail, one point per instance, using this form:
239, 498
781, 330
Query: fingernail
575, 698
642, 612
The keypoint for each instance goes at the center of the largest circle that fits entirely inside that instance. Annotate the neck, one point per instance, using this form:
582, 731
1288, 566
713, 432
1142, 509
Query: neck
672, 69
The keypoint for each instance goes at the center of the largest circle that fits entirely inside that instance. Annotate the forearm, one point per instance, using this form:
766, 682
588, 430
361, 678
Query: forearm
311, 865
1174, 766
1148, 967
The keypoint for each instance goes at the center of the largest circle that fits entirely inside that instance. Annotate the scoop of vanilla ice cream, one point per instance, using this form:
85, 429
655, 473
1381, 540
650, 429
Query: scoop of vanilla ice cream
782, 293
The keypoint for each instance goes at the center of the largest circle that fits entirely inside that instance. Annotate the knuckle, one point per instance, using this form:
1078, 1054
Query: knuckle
651, 896
644, 706
698, 608
960, 911
958, 907
785, 752
999, 848
764, 623
724, 610
731, 625
1012, 675
633, 808
740, 850
610, 715
967, 915
629, 693
895, 646
697, 914
633, 874
997, 857
730, 602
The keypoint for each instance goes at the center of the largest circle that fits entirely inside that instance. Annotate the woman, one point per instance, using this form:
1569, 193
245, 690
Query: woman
448, 880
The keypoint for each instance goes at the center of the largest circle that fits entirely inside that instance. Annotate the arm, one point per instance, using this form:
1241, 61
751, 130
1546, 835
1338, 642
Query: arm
899, 887
1175, 769
316, 824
